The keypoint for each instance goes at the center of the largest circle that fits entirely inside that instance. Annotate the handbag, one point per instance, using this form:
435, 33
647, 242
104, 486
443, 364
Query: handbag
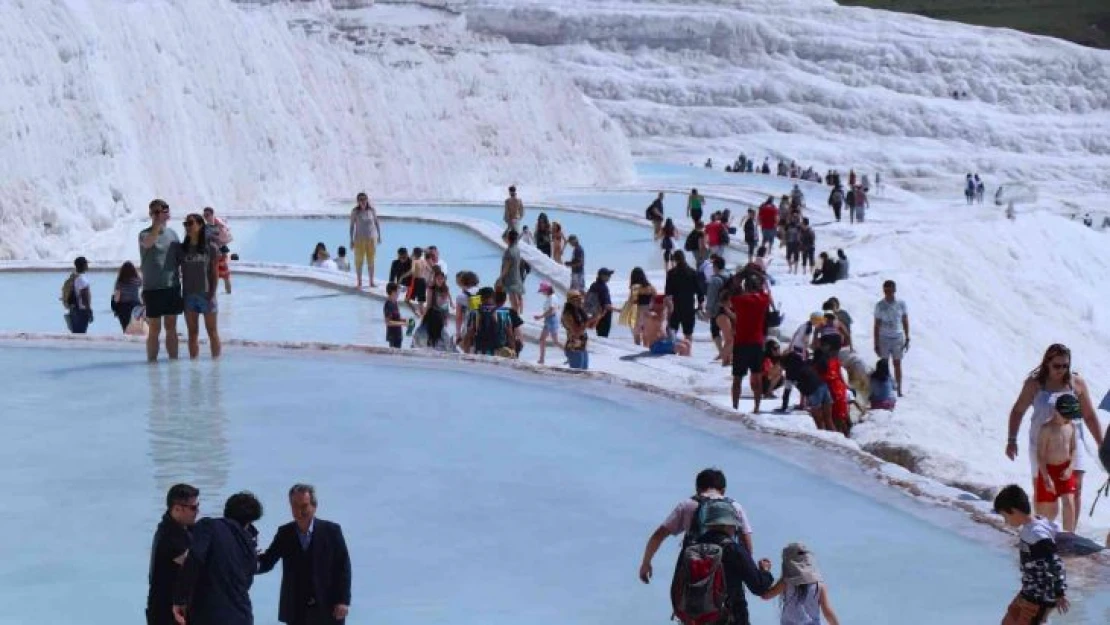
137, 326
774, 317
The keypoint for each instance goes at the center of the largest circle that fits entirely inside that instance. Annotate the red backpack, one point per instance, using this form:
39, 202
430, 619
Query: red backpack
698, 590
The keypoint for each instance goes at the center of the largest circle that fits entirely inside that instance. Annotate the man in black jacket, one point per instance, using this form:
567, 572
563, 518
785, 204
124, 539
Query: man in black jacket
682, 288
315, 568
214, 585
740, 570
168, 551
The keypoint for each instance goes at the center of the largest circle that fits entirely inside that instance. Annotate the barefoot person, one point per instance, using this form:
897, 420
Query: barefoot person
366, 235
1055, 480
200, 259
892, 330
158, 251
1053, 376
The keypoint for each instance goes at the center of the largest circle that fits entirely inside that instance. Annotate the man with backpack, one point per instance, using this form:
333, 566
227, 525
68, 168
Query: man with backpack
77, 297
836, 201
489, 329
710, 518
709, 485
696, 243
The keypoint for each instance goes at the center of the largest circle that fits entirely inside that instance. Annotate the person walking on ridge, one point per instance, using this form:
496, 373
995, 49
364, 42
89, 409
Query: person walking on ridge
892, 330
514, 213
365, 236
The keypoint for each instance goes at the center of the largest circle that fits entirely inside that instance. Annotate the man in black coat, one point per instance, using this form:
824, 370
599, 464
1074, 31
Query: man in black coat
214, 585
168, 551
315, 569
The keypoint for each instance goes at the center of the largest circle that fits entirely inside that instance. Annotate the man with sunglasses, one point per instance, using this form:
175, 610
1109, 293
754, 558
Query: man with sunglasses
158, 254
168, 550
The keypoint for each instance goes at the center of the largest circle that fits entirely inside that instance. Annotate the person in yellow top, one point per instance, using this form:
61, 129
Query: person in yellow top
366, 234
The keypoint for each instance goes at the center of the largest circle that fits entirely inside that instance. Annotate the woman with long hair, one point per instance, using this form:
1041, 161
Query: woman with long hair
321, 259
200, 276
439, 293
127, 295
558, 242
575, 321
882, 387
640, 293
542, 234
432, 333
1052, 377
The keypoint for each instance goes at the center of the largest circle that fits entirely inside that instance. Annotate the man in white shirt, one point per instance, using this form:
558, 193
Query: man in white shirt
79, 299
710, 484
892, 330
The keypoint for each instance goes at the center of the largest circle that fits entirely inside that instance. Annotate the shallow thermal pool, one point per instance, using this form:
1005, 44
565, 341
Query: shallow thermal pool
259, 309
453, 486
614, 243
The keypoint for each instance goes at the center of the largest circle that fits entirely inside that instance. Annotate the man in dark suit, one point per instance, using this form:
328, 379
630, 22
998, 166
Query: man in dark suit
315, 566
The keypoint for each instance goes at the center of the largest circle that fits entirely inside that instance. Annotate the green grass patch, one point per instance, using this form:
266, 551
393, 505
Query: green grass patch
1086, 22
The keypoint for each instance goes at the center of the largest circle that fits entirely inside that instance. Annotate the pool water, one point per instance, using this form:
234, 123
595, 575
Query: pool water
259, 309
612, 243
448, 497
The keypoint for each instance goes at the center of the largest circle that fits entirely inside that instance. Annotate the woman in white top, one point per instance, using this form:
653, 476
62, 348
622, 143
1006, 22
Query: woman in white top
550, 316
321, 259
804, 595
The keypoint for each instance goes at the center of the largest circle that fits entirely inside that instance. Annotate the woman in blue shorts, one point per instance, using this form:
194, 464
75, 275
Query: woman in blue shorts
199, 260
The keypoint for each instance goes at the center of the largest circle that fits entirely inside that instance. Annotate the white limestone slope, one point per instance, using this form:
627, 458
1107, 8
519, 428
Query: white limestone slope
268, 106
831, 86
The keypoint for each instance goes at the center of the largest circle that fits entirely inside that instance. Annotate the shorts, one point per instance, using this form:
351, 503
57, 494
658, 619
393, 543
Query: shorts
1062, 486
891, 347
1022, 611
820, 397
197, 303
809, 256
793, 252
662, 347
769, 237
163, 303
222, 267
394, 339
745, 359
418, 292
714, 329
684, 318
515, 287
551, 324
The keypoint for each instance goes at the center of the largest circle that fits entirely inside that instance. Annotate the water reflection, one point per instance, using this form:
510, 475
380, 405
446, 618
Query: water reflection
187, 424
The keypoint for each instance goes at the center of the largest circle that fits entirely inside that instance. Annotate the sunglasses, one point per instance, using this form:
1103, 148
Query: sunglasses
1061, 366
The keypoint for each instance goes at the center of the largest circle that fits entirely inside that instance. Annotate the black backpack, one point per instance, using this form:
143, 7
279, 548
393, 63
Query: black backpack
692, 241
489, 334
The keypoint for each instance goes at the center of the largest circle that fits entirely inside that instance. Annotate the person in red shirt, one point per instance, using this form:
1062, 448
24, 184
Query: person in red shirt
839, 391
750, 309
769, 222
713, 233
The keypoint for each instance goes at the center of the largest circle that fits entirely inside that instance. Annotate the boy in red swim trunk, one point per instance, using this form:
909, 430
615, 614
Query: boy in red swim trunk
1056, 483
